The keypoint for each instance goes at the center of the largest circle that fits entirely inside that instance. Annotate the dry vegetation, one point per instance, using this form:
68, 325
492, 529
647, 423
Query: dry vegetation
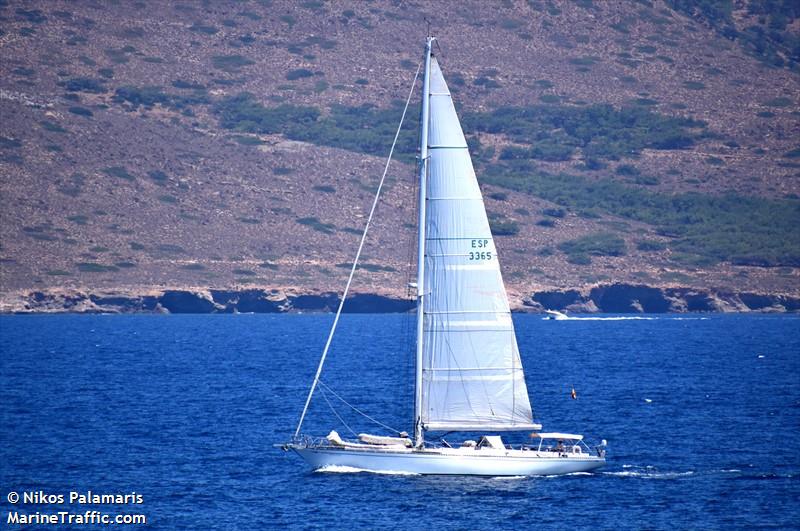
118, 171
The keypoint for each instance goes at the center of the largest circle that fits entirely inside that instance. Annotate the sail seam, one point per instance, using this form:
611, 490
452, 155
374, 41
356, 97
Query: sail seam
446, 312
455, 199
441, 369
460, 238
454, 330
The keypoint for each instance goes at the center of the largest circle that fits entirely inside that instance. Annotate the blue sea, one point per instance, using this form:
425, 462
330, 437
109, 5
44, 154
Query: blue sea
701, 414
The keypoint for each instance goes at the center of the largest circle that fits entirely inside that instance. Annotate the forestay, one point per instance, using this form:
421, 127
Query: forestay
471, 371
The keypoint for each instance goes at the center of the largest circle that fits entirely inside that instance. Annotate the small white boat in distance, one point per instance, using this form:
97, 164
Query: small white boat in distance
469, 376
555, 315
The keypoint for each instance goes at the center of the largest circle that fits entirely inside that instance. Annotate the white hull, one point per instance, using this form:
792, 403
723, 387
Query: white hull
450, 462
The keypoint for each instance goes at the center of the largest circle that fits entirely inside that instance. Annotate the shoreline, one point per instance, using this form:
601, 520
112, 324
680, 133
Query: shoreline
601, 298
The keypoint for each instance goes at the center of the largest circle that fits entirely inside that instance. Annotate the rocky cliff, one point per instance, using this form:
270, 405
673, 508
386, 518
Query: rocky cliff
612, 298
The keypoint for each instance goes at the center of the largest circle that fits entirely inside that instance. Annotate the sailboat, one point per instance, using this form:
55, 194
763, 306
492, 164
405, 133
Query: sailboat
469, 377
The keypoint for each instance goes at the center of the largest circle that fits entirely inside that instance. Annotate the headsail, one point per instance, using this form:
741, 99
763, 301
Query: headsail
471, 372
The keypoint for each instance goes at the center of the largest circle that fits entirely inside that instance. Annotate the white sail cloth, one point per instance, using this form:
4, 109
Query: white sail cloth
471, 371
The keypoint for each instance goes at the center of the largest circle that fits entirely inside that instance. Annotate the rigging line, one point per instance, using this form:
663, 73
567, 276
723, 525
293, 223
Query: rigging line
333, 410
358, 255
354, 408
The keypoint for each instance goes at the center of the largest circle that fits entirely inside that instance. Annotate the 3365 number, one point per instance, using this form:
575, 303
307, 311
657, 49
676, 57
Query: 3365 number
480, 255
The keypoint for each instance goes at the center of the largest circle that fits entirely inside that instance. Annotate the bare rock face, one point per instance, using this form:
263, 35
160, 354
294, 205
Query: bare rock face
558, 300
188, 302
198, 301
627, 298
251, 301
624, 298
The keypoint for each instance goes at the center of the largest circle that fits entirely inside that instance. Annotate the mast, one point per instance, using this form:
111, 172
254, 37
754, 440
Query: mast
423, 171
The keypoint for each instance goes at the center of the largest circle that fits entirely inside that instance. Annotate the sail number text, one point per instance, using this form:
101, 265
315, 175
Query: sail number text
480, 252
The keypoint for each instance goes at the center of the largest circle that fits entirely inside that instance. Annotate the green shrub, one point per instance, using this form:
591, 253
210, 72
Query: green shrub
627, 169
300, 73
118, 56
158, 176
133, 33
136, 96
92, 267
81, 111
120, 172
188, 85
781, 101
168, 248
320, 86
9, 143
52, 126
584, 61
231, 63
597, 244
248, 140
650, 245
34, 16
502, 227
317, 225
579, 259
694, 85
486, 82
203, 28
372, 268
647, 180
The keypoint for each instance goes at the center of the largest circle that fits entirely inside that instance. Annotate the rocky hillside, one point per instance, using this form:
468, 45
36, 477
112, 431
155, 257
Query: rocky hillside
154, 146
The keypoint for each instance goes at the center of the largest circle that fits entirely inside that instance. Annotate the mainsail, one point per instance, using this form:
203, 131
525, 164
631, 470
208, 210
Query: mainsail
472, 376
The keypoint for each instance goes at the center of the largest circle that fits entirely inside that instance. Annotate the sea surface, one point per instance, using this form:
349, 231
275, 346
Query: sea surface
701, 415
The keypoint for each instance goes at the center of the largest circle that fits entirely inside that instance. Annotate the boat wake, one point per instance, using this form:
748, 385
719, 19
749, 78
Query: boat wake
632, 471
340, 469
570, 474
619, 318
648, 475
646, 472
